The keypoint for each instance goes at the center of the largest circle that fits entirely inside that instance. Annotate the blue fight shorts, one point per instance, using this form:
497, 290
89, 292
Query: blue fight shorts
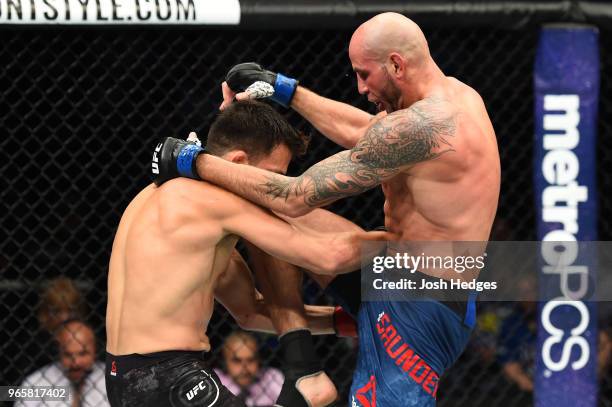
405, 346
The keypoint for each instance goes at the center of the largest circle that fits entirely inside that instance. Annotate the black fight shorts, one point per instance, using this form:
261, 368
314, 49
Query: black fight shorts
162, 379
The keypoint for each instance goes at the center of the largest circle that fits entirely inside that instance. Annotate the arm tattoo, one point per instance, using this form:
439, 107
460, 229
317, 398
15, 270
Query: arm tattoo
393, 143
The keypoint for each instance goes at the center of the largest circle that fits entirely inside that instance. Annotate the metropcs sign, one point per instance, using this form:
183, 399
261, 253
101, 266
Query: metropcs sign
560, 199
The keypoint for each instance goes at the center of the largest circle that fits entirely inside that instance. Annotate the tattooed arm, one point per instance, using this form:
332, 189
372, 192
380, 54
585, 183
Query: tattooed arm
391, 145
341, 123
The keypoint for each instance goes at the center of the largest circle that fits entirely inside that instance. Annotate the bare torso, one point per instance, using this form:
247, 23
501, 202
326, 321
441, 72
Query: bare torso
454, 196
162, 273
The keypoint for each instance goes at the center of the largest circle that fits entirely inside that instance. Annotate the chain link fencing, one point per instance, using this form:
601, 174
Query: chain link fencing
82, 109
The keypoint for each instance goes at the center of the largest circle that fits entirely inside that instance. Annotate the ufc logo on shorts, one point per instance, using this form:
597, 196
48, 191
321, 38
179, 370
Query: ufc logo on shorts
155, 163
192, 393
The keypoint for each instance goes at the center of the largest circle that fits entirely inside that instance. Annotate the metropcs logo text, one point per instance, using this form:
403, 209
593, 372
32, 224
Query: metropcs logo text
560, 199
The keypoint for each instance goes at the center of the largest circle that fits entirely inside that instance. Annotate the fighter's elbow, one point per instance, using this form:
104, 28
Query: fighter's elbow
296, 208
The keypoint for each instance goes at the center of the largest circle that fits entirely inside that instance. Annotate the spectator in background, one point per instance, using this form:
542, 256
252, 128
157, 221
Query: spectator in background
517, 344
244, 376
604, 352
59, 301
76, 368
604, 359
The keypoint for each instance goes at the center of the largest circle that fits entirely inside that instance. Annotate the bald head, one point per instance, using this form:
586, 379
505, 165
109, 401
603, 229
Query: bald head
391, 59
387, 33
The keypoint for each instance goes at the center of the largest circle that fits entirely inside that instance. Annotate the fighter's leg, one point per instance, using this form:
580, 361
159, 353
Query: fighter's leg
305, 382
235, 290
281, 285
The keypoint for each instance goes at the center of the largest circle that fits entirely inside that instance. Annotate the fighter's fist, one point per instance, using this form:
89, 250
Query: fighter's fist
174, 158
250, 80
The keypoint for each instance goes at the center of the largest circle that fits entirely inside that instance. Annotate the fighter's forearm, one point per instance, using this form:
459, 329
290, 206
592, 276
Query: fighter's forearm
321, 221
281, 285
340, 122
341, 175
274, 191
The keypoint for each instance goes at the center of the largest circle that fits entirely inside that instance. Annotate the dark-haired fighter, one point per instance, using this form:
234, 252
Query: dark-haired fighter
174, 253
433, 150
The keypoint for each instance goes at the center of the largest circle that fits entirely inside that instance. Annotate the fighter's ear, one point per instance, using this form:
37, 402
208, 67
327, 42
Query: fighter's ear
237, 156
397, 63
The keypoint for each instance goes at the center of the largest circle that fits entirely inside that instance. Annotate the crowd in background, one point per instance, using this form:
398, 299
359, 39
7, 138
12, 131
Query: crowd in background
504, 341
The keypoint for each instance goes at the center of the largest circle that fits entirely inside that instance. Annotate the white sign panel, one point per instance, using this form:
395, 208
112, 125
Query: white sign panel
120, 12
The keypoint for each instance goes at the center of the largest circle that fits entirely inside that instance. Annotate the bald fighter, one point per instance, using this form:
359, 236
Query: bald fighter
173, 254
433, 150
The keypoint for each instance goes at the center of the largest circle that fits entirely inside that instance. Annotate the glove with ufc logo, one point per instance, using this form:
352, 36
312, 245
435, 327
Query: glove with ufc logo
174, 158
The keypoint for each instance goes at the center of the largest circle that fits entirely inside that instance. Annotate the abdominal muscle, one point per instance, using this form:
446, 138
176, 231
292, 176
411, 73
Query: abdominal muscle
422, 211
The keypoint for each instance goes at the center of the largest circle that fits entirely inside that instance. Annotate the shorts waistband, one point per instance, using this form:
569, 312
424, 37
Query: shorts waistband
463, 302
459, 295
139, 360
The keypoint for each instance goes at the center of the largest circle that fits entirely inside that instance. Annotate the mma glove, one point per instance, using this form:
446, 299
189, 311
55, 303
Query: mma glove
175, 158
344, 324
249, 75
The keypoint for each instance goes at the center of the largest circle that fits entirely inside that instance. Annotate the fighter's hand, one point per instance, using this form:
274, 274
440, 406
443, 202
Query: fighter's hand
375, 236
250, 81
229, 96
349, 248
380, 236
376, 242
174, 158
258, 90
